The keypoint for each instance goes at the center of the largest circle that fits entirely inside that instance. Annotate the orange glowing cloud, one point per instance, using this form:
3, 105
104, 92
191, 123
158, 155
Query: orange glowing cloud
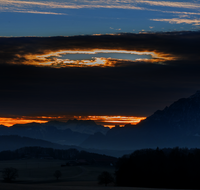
111, 121
52, 58
60, 54
12, 121
107, 121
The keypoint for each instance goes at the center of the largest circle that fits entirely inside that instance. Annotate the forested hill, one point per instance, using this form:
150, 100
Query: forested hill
160, 168
50, 153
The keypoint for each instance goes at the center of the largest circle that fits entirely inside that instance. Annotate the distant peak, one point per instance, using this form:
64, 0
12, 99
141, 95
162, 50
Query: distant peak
196, 95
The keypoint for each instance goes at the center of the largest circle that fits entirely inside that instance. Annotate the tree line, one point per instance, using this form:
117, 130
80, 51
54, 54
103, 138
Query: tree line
50, 153
160, 168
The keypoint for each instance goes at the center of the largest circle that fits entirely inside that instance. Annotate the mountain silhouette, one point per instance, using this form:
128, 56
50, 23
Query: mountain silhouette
45, 132
182, 116
72, 132
81, 126
176, 125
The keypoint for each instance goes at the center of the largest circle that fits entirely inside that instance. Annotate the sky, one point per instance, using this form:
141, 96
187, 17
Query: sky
87, 17
85, 59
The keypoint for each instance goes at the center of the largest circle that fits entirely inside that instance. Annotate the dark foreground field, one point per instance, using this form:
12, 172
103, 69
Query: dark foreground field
37, 174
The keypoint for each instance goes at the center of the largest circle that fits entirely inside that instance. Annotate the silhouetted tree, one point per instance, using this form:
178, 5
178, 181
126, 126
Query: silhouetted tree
105, 178
57, 174
9, 174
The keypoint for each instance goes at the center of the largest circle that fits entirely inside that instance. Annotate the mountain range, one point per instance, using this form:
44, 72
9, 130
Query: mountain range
72, 132
176, 125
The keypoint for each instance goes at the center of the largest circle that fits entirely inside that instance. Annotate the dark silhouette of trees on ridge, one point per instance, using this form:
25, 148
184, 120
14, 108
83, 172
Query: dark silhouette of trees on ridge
160, 168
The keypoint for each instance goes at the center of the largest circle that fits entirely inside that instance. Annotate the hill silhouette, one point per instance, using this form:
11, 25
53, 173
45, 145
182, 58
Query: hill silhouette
176, 125
175, 168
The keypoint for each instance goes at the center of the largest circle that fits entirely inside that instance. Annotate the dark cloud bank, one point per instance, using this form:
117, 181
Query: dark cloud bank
138, 88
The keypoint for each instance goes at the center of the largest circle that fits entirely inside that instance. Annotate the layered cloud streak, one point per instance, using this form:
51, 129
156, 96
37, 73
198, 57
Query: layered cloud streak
48, 51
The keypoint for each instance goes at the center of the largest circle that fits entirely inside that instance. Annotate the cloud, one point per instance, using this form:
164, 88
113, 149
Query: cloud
12, 121
11, 4
40, 12
179, 21
188, 5
14, 5
136, 88
127, 4
61, 7
182, 12
38, 50
115, 29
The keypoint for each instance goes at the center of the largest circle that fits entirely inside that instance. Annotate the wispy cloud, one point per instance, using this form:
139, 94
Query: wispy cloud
45, 7
26, 7
182, 12
180, 21
187, 5
68, 5
40, 12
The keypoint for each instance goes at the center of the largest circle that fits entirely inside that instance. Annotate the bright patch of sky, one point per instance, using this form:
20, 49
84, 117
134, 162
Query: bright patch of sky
70, 17
105, 55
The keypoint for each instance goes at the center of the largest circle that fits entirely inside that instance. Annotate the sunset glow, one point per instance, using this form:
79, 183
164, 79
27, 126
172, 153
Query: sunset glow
106, 121
113, 120
12, 121
98, 58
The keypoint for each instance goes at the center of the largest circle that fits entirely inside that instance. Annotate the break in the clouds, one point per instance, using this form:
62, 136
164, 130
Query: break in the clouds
68, 18
99, 50
128, 87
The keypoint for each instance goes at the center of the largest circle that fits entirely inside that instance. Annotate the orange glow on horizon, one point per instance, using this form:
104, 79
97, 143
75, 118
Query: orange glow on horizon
112, 126
12, 121
106, 121
112, 120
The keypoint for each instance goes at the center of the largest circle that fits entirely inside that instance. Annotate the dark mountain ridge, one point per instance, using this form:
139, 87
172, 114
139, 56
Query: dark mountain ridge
182, 116
13, 142
81, 126
45, 132
55, 153
72, 132
176, 125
